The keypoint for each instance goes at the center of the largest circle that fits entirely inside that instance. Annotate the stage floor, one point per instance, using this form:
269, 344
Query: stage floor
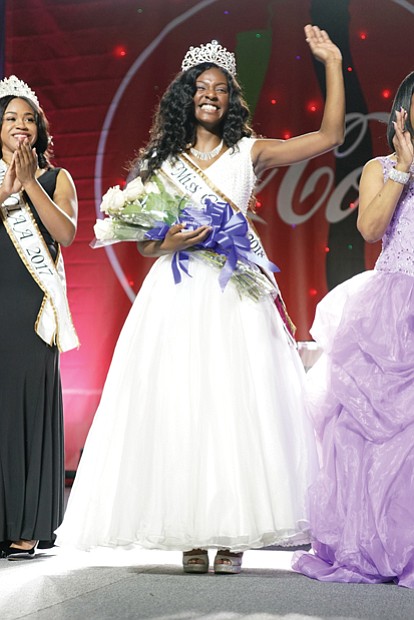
107, 584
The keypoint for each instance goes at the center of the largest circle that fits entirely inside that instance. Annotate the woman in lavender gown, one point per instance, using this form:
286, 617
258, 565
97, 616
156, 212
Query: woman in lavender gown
362, 395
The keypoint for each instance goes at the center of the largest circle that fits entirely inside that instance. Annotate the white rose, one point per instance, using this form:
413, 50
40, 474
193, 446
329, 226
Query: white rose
113, 199
103, 229
134, 190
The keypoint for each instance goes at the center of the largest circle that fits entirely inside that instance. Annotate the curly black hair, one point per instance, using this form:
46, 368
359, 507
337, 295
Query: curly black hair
174, 125
43, 142
402, 99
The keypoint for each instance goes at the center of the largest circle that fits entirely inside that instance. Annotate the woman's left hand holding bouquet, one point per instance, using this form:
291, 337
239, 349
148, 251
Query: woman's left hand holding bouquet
176, 239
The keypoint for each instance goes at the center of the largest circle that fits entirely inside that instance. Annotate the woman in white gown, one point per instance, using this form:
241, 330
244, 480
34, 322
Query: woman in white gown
200, 440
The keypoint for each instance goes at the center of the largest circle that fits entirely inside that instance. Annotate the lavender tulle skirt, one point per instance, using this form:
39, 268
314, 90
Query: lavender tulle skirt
361, 396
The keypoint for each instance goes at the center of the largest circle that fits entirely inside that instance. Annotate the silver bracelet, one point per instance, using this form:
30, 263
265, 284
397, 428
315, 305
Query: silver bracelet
398, 176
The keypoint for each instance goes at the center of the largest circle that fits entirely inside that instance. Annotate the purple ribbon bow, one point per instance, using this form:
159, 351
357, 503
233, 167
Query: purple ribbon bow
228, 237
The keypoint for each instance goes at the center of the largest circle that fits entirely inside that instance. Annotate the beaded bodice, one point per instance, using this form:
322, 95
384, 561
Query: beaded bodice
233, 173
397, 253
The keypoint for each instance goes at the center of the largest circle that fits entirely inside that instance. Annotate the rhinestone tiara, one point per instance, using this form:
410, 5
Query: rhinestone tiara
17, 88
211, 52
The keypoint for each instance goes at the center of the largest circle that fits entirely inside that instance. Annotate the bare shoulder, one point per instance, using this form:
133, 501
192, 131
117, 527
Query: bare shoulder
373, 165
64, 174
372, 169
65, 191
64, 179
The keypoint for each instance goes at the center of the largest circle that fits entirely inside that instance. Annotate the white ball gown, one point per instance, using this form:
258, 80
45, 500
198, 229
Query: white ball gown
200, 439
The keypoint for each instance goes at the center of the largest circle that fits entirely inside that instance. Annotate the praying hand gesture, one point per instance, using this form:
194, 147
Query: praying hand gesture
402, 142
22, 168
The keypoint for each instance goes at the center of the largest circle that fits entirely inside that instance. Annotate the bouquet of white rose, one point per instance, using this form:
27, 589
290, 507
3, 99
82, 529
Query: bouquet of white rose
133, 211
146, 211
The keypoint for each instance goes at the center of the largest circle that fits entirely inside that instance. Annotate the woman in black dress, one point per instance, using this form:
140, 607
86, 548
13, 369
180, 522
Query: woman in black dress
38, 213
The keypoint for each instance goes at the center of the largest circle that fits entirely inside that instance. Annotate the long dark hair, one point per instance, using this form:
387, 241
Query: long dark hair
402, 99
174, 126
43, 142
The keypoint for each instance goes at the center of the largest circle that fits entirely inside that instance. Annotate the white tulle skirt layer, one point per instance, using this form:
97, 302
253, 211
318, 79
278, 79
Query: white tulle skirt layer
200, 439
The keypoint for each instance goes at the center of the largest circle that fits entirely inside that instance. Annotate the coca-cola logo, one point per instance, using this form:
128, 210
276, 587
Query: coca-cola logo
301, 191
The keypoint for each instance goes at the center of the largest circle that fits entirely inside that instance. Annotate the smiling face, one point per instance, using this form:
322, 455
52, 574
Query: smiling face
211, 98
18, 123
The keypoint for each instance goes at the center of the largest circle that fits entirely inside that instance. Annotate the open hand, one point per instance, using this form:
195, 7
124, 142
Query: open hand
321, 45
25, 162
11, 184
402, 141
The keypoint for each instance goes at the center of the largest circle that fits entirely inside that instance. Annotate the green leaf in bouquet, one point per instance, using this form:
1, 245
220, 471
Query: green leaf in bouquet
123, 231
165, 205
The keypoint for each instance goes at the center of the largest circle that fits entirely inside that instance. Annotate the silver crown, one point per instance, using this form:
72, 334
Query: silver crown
15, 87
211, 52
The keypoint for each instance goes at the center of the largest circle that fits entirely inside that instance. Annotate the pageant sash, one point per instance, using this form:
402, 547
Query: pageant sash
185, 176
54, 322
194, 184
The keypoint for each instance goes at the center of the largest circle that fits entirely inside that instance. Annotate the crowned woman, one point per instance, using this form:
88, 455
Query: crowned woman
200, 440
38, 214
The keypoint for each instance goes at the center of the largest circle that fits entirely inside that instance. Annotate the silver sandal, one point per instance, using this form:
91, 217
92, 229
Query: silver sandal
195, 562
228, 563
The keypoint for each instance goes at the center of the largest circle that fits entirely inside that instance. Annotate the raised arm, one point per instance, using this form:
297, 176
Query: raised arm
271, 153
378, 200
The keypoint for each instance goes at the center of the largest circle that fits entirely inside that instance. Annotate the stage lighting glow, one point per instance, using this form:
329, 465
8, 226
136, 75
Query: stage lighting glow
312, 106
119, 51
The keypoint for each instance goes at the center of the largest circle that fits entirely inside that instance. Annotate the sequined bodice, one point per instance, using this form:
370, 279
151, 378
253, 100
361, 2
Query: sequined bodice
233, 173
397, 243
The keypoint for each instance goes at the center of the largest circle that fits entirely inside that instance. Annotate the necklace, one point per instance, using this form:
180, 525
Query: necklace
209, 154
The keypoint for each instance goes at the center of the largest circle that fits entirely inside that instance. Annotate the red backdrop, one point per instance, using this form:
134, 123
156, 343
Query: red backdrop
99, 68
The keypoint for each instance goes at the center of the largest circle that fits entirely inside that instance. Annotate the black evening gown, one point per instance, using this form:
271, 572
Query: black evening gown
31, 418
